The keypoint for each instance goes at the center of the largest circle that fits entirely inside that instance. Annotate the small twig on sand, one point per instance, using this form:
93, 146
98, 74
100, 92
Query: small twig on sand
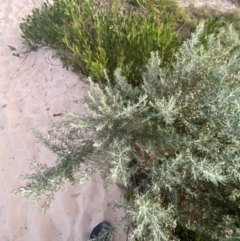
58, 114
26, 95
43, 75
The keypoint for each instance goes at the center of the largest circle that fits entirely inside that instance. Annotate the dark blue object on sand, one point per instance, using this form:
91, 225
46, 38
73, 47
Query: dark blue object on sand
100, 227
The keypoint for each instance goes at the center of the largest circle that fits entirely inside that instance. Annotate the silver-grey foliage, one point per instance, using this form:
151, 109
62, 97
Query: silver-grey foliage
174, 142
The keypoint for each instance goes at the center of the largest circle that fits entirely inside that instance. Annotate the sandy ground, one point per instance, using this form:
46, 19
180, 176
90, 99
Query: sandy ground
222, 5
32, 90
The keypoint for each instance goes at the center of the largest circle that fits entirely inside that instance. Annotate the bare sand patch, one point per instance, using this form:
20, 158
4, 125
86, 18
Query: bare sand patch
32, 90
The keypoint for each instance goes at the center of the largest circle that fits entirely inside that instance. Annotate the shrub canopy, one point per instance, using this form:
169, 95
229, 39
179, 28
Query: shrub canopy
94, 35
173, 142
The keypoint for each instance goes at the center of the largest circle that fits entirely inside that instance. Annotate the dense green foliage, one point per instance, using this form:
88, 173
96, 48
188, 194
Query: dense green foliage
90, 37
173, 142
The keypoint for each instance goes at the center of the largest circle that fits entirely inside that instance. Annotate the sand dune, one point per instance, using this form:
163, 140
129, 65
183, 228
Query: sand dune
32, 90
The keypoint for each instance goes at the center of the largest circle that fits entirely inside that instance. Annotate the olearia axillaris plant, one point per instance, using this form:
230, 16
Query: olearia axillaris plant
173, 142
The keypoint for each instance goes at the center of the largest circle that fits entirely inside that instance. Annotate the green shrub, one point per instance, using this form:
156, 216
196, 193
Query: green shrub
93, 35
233, 17
207, 13
203, 12
173, 143
90, 38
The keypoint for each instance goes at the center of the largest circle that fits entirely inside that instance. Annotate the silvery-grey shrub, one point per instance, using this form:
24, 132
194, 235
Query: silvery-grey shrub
173, 142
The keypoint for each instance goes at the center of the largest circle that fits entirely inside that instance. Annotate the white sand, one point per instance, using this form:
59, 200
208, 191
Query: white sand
222, 5
32, 90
